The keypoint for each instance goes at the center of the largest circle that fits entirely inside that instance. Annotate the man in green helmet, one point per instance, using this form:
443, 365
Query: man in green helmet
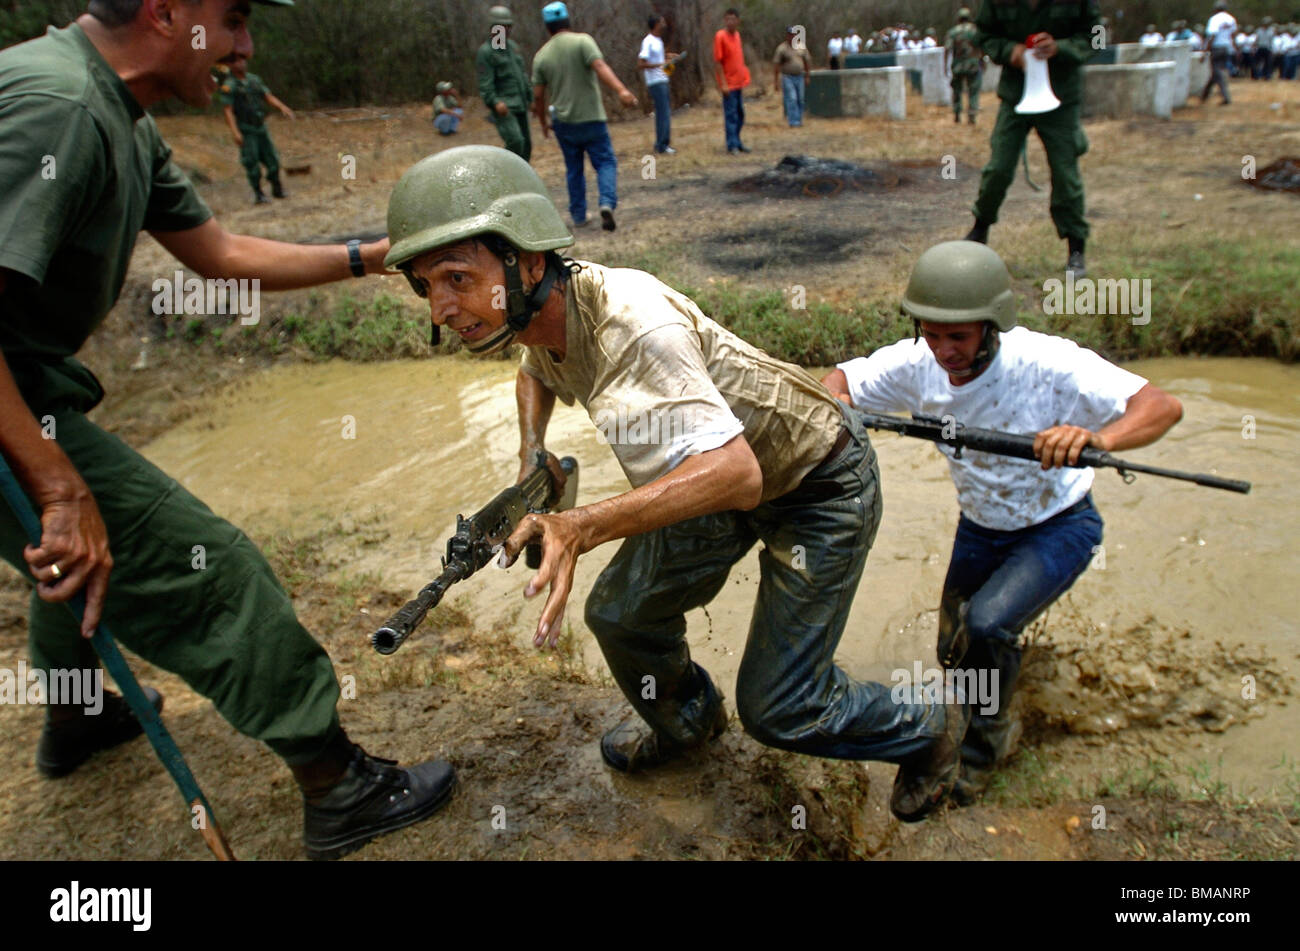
1061, 34
85, 170
964, 61
504, 84
723, 446
1026, 532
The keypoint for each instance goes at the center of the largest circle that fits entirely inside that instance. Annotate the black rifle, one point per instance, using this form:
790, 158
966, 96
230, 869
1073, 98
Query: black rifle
952, 433
476, 540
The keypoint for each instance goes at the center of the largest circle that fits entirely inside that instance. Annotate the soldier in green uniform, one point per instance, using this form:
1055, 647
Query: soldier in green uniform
966, 61
245, 97
1062, 34
503, 83
85, 170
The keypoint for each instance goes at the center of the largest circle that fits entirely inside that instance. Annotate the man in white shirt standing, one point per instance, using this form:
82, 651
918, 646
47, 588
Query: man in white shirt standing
651, 61
1219, 36
852, 43
1026, 532
1151, 37
835, 49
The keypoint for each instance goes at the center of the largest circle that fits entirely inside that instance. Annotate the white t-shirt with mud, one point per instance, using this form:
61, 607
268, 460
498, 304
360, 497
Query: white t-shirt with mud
1036, 381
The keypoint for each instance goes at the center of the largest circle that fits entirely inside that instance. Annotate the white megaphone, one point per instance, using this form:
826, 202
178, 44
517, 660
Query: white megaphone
1038, 96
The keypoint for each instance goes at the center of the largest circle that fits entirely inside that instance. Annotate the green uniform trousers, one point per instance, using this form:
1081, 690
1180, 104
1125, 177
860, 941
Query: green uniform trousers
971, 83
214, 615
1064, 141
258, 149
513, 128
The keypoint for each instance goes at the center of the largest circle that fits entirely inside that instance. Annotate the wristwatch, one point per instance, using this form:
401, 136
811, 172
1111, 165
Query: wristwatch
354, 258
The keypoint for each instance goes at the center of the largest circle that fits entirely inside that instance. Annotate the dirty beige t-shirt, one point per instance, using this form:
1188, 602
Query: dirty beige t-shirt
662, 381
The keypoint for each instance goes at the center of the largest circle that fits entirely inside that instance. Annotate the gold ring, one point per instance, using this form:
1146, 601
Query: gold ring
56, 571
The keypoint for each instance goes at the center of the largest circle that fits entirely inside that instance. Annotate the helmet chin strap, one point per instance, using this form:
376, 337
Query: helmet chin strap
521, 307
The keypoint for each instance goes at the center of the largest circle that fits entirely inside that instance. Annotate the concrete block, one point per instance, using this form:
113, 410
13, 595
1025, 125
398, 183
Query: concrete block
1130, 89
1179, 53
881, 91
936, 90
1198, 72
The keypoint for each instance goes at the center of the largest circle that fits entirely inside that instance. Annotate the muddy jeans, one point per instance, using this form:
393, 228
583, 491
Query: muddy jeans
997, 583
789, 693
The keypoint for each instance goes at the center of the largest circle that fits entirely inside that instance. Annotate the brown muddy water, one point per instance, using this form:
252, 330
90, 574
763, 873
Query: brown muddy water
1196, 593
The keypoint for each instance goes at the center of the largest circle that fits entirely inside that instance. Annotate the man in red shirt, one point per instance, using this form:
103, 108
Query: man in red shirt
733, 76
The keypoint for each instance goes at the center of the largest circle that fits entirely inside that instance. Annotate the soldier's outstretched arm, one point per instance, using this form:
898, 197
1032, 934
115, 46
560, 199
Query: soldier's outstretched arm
214, 252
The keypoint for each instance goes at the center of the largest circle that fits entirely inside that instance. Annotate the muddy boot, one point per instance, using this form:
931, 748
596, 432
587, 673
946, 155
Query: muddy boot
259, 197
71, 736
923, 782
1074, 263
351, 797
990, 738
980, 233
276, 188
634, 745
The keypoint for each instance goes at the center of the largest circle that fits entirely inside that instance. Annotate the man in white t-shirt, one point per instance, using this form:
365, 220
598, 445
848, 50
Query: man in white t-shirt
652, 59
1151, 37
722, 445
1219, 32
835, 49
852, 43
1026, 532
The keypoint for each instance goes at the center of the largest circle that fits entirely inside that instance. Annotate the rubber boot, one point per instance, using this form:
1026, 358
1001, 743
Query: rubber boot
1074, 264
351, 797
633, 745
259, 197
980, 232
990, 738
276, 188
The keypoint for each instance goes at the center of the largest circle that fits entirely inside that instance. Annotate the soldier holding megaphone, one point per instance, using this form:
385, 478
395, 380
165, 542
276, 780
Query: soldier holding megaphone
1041, 47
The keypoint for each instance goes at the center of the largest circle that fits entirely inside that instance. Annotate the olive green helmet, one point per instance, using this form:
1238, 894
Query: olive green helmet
963, 13
960, 281
466, 192
501, 16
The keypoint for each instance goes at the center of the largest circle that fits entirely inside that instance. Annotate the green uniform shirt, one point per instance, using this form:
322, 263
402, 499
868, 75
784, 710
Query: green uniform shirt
247, 97
1004, 23
84, 170
966, 55
502, 77
563, 66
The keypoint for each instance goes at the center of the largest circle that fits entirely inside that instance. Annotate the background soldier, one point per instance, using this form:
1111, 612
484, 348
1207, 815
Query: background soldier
503, 84
966, 62
447, 112
1062, 35
245, 97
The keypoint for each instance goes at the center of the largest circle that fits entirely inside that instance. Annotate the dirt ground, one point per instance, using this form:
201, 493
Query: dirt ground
523, 728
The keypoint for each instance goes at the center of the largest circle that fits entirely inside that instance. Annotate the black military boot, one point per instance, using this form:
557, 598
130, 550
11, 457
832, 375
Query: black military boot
980, 232
1074, 263
924, 781
634, 745
276, 188
351, 797
71, 736
956, 117
259, 197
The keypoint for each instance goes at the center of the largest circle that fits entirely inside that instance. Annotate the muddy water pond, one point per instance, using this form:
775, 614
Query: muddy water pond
1191, 604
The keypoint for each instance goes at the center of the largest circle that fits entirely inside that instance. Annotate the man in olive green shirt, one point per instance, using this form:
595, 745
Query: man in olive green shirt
244, 98
85, 170
1062, 34
566, 70
503, 84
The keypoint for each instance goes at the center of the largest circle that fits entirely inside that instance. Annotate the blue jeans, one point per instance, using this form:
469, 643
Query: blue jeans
789, 692
663, 115
446, 124
997, 583
591, 138
792, 88
733, 116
